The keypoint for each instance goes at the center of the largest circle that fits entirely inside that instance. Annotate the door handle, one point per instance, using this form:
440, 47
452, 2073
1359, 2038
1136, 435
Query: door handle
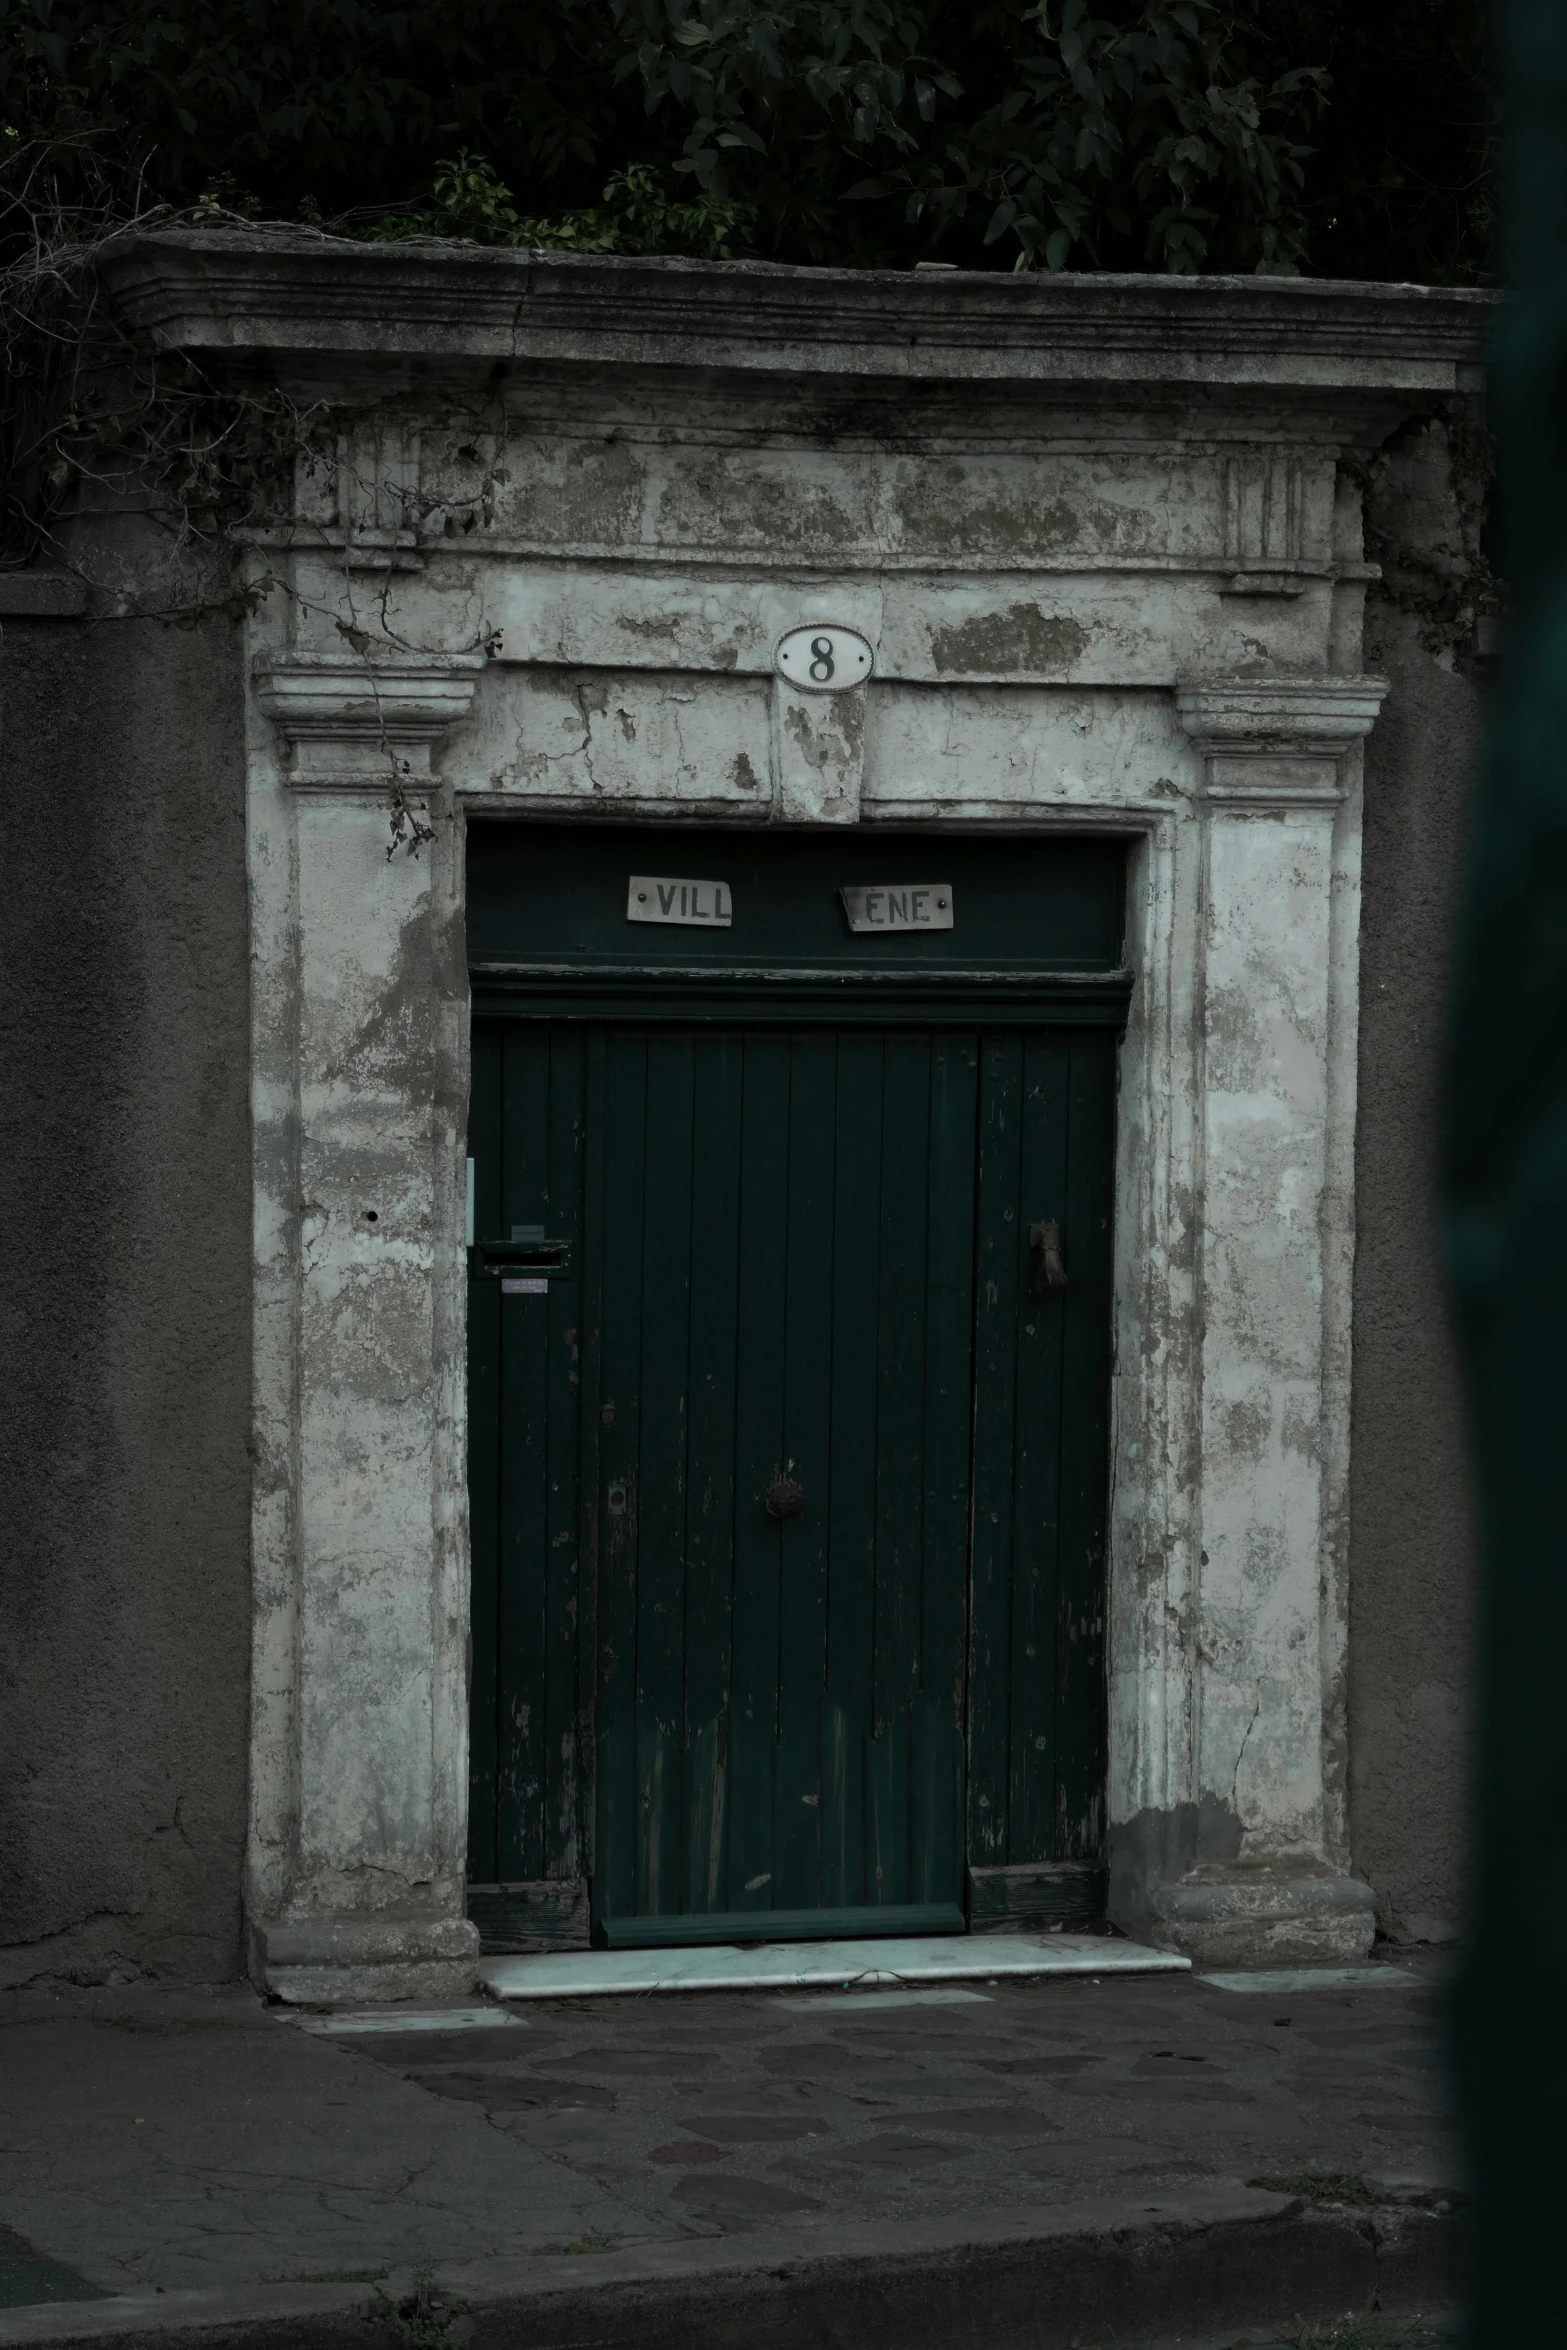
1045, 1241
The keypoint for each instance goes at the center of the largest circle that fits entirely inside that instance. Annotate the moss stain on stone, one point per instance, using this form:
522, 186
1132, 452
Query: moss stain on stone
1019, 640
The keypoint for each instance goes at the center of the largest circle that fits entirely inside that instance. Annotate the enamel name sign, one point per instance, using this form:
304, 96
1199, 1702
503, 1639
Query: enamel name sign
704, 905
900, 905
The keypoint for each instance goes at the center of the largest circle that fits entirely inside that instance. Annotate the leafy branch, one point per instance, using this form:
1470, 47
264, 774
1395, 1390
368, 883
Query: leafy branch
94, 418
173, 471
639, 213
1040, 133
1147, 131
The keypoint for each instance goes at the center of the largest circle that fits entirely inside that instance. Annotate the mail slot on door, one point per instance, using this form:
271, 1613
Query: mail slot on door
529, 1250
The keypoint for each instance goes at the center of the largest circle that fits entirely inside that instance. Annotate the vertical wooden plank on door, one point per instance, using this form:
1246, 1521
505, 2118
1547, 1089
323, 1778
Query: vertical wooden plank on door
900, 1476
563, 1552
802, 1661
589, 1483
484, 1449
849, 1707
1036, 1548
1082, 1699
619, 1242
710, 1505
995, 1354
948, 1409
759, 1368
841, 1836
524, 1641
887, 1810
935, 1801
661, 1485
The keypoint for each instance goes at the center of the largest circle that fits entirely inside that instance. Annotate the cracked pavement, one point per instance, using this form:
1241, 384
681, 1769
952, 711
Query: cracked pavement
211, 2149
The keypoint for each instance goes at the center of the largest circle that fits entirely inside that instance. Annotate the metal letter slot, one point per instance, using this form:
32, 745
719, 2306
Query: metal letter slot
1045, 1241
529, 1251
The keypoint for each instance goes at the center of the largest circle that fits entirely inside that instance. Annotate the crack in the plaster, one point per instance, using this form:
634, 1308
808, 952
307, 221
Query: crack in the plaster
1235, 1779
579, 693
175, 1826
312, 1212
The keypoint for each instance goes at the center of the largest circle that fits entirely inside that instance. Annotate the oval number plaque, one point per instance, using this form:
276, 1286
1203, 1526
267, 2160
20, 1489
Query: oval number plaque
823, 658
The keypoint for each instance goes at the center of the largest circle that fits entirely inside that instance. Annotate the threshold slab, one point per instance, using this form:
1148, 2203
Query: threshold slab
837, 1966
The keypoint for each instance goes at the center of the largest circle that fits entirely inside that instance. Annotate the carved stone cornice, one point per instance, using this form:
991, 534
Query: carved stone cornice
360, 723
1277, 741
292, 292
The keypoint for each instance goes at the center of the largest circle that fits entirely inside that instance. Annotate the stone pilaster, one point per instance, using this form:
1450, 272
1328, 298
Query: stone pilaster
1275, 1040
359, 1777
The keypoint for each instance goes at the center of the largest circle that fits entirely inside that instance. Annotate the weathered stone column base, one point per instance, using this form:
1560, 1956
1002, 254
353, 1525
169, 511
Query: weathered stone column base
1266, 1913
322, 1962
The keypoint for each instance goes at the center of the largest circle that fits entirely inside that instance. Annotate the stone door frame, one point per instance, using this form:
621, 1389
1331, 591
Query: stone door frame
1234, 1257
1170, 651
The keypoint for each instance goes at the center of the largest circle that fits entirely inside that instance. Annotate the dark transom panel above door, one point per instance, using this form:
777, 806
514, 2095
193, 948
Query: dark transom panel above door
789, 1384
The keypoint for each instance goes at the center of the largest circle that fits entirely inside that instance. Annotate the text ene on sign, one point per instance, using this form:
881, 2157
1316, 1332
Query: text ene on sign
651, 897
899, 905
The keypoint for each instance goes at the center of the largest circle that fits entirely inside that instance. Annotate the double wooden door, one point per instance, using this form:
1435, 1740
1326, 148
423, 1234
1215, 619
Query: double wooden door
789, 1386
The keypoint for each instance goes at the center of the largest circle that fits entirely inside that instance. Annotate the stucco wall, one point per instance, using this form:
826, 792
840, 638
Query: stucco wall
125, 1302
1410, 1529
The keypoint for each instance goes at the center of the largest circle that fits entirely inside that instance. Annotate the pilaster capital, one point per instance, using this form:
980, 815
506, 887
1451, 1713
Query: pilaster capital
1277, 741
357, 722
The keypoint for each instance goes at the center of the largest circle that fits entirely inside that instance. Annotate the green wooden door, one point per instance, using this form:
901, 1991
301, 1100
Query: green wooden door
788, 1458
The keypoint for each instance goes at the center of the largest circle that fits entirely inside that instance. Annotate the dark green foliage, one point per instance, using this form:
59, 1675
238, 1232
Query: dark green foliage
643, 211
1148, 143
330, 103
1164, 134
1321, 2186
1403, 181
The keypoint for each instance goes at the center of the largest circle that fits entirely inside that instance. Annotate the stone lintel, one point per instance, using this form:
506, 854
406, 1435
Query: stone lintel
364, 723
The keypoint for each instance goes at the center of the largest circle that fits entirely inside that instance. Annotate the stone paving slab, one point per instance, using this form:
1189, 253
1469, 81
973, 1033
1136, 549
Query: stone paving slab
196, 2162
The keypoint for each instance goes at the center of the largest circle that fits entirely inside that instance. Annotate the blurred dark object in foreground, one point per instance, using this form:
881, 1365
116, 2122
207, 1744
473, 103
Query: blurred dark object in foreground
1507, 1236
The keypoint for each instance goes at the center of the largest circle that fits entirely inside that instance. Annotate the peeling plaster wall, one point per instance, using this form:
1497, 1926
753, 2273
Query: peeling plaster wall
125, 1202
1410, 1524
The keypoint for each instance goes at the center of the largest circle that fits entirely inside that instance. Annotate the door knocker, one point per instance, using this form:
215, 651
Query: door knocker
1049, 1263
784, 1498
